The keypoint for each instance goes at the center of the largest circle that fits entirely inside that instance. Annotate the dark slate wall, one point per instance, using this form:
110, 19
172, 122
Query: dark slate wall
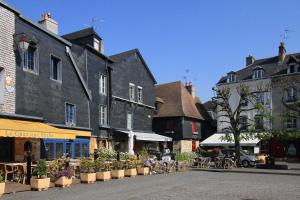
159, 125
182, 128
187, 129
96, 66
37, 95
131, 70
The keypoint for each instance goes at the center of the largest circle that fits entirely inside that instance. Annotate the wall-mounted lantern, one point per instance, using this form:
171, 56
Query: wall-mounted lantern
23, 43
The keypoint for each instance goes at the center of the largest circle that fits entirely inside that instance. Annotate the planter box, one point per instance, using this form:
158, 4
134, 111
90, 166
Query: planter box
103, 176
117, 174
143, 171
130, 172
88, 178
63, 182
40, 184
2, 189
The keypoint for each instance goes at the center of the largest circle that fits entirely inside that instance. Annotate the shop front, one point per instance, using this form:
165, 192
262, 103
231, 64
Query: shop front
17, 137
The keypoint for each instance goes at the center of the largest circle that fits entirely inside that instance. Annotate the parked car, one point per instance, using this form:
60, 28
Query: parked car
246, 159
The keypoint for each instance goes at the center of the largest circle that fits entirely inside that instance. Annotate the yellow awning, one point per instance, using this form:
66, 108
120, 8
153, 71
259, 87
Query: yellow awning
28, 129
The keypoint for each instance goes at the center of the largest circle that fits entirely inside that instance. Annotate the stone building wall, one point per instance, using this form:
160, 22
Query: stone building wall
7, 61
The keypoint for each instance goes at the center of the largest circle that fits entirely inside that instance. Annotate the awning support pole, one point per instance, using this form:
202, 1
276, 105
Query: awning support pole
130, 143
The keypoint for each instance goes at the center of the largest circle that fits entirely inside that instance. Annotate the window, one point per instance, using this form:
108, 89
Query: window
102, 84
291, 94
129, 121
103, 115
292, 69
59, 150
140, 94
70, 114
244, 102
2, 89
56, 69
259, 122
131, 92
231, 78
260, 98
291, 123
194, 128
49, 148
243, 123
258, 73
30, 59
169, 125
96, 44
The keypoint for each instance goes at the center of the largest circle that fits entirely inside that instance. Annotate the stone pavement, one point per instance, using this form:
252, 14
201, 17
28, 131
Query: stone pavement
293, 170
178, 186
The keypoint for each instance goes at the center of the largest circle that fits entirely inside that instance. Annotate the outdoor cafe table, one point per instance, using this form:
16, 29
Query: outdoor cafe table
14, 166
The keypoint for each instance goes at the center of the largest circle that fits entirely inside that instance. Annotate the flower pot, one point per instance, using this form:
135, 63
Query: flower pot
40, 184
88, 177
103, 176
2, 189
117, 174
130, 172
143, 171
63, 182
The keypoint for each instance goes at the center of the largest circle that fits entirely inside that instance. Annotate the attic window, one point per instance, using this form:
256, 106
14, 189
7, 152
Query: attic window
231, 77
258, 73
97, 44
292, 68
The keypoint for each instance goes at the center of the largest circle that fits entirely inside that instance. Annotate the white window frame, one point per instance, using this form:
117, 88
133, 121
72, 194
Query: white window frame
59, 70
260, 98
96, 44
291, 122
129, 126
103, 84
35, 60
291, 94
140, 94
258, 74
70, 123
103, 115
131, 92
231, 78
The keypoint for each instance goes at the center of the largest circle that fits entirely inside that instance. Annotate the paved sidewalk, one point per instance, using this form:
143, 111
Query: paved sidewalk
294, 170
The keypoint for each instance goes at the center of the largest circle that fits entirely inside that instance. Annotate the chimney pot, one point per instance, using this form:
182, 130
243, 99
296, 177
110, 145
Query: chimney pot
249, 60
48, 23
281, 52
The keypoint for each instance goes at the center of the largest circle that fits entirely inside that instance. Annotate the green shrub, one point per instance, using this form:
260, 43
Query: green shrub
117, 165
188, 157
41, 169
105, 154
144, 154
87, 166
99, 165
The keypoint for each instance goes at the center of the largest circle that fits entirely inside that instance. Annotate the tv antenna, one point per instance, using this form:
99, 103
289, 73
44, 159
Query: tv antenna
285, 34
93, 23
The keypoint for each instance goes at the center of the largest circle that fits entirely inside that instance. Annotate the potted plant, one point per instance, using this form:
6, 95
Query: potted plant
87, 171
118, 171
142, 169
2, 185
61, 174
131, 165
40, 181
102, 170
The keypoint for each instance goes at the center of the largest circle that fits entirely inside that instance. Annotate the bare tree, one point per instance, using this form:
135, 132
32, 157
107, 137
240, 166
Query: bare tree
231, 114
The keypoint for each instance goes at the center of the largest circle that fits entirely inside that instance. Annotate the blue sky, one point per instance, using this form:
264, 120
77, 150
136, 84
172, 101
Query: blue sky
198, 39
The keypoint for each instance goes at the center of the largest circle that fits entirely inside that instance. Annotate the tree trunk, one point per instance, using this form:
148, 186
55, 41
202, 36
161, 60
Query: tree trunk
237, 149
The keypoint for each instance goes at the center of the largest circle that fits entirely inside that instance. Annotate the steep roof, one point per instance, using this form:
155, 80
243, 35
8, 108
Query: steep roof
126, 54
81, 33
177, 101
271, 67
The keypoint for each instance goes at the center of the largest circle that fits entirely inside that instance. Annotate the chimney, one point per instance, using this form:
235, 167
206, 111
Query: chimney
48, 23
249, 60
191, 89
282, 52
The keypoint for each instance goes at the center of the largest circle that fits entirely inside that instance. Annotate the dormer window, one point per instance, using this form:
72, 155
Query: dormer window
231, 77
97, 44
292, 68
258, 73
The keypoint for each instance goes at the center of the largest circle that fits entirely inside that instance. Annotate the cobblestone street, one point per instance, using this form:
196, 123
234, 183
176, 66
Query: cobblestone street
186, 185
